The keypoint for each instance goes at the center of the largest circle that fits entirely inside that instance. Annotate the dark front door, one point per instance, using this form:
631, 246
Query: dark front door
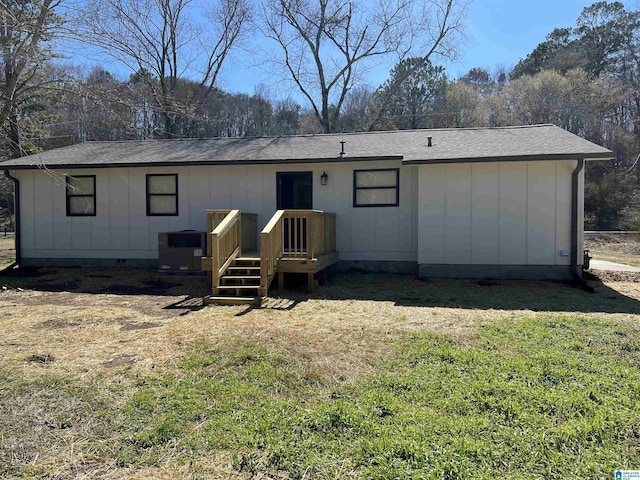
295, 193
294, 190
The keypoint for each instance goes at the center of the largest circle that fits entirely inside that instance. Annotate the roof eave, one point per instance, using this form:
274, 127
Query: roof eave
68, 166
514, 158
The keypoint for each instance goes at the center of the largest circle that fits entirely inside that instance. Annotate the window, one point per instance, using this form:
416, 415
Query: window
162, 194
376, 188
81, 196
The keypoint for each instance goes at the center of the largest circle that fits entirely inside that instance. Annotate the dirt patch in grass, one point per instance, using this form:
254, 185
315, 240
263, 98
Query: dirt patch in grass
134, 290
128, 326
119, 361
61, 287
40, 358
56, 323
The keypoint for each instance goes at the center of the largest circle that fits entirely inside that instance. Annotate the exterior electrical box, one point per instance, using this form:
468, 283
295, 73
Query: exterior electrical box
181, 251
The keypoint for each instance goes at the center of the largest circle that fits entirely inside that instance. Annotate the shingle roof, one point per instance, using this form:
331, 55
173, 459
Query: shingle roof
535, 142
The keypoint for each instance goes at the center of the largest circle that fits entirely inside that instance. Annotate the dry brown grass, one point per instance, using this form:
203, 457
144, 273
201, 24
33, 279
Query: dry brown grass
93, 338
90, 333
621, 248
71, 315
91, 327
7, 251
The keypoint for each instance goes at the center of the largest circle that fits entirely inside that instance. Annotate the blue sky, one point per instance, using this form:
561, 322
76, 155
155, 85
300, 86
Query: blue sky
499, 32
503, 31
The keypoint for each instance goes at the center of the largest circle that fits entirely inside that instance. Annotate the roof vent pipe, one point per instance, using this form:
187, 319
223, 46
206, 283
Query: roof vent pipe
429, 142
342, 148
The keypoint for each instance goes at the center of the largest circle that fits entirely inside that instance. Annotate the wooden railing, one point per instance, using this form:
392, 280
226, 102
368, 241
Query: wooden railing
224, 245
271, 250
248, 226
308, 233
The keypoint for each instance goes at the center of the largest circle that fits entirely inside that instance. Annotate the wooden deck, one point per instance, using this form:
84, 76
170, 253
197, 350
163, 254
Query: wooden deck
293, 241
303, 265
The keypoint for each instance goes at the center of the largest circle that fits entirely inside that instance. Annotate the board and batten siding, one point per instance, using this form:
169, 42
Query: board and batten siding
121, 228
498, 213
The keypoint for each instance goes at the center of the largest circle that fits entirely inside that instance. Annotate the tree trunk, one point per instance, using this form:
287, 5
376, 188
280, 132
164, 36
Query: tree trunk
167, 126
13, 135
325, 121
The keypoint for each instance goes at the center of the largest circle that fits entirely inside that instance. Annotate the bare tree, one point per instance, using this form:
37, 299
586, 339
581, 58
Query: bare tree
159, 37
25, 28
325, 45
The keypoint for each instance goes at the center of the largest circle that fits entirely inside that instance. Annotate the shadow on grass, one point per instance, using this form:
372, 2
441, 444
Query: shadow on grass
105, 281
406, 290
403, 290
188, 305
272, 303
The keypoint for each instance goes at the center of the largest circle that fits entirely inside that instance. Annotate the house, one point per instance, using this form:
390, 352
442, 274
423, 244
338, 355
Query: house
471, 203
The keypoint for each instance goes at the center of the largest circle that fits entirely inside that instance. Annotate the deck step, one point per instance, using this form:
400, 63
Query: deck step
224, 281
238, 287
241, 273
241, 277
246, 262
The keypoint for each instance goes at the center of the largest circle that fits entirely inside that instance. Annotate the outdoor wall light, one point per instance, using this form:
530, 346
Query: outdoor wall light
323, 178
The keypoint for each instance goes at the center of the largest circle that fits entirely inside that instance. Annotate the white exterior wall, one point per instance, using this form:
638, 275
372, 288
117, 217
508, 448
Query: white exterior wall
122, 230
467, 214
497, 213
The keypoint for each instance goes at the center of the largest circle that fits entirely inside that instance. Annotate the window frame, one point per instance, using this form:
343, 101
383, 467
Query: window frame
70, 194
149, 195
384, 187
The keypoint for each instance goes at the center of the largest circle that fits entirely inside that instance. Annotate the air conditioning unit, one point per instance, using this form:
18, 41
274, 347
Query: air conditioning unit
181, 251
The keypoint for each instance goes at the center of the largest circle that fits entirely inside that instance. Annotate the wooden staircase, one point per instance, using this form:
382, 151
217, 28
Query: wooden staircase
239, 284
293, 241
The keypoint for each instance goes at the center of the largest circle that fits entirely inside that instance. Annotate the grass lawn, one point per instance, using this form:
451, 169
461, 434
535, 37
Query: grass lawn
114, 374
619, 248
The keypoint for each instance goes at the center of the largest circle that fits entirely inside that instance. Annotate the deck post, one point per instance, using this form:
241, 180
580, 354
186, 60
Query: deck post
215, 262
239, 234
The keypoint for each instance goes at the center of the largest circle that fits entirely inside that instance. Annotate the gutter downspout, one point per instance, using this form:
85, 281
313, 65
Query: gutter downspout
575, 271
16, 212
